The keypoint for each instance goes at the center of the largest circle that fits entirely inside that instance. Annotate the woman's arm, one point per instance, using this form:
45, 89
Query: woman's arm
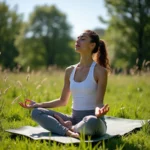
62, 101
101, 79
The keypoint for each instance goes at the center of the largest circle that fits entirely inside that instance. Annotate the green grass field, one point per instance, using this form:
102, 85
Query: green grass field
128, 97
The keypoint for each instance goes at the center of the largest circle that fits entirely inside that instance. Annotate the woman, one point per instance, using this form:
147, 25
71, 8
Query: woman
86, 81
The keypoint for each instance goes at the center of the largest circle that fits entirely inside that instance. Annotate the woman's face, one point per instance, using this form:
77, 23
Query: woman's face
83, 44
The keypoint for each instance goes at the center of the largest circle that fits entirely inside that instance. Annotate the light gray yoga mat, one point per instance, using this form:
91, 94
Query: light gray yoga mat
115, 127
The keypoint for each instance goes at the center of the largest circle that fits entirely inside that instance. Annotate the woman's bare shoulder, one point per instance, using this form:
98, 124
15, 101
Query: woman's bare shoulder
100, 71
69, 69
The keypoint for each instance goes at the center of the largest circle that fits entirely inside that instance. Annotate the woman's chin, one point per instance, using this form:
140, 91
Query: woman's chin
77, 50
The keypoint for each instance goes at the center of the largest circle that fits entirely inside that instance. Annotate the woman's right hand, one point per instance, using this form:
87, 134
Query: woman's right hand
28, 104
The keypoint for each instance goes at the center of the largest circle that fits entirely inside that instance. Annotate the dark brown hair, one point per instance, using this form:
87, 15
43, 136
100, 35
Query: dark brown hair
100, 50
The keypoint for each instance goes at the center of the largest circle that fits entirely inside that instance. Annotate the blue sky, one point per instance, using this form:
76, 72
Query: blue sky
81, 14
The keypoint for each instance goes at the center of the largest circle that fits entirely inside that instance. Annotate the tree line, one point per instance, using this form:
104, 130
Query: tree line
42, 41
45, 39
128, 33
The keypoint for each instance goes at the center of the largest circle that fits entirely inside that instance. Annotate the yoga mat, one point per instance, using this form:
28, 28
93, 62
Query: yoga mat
115, 127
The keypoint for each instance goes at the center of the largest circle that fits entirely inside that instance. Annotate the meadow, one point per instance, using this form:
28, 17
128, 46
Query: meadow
128, 97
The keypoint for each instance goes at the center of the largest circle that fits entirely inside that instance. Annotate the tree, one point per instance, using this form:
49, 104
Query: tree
128, 31
10, 23
45, 39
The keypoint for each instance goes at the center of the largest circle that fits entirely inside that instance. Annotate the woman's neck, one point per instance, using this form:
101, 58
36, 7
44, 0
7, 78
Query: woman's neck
85, 61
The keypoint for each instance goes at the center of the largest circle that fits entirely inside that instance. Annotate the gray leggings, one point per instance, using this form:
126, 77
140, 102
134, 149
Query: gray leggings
84, 121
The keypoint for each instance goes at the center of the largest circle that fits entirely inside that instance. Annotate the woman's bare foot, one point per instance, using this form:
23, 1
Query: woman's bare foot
72, 134
67, 123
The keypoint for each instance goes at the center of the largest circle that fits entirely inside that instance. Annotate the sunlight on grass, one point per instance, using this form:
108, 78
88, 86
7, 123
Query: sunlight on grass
128, 97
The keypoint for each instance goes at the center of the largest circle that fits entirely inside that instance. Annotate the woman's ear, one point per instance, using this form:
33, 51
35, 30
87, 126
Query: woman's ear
93, 45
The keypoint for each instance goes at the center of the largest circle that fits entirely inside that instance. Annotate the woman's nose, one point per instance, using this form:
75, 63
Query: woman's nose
77, 41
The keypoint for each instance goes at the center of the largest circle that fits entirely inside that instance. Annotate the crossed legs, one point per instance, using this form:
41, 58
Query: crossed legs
62, 124
89, 125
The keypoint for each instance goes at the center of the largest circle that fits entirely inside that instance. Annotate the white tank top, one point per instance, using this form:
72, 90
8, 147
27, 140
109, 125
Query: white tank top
84, 93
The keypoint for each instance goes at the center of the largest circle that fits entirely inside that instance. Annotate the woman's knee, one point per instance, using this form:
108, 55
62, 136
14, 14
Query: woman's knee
94, 125
90, 120
35, 113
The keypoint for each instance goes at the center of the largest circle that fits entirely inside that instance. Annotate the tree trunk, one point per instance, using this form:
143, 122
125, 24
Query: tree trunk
140, 36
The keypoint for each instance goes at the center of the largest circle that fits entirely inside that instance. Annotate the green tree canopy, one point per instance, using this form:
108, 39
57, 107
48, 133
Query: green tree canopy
10, 23
128, 31
45, 40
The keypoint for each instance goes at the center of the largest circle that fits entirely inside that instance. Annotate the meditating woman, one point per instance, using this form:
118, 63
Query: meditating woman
86, 81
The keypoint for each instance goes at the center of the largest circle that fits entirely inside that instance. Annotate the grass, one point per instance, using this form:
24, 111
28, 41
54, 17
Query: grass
128, 97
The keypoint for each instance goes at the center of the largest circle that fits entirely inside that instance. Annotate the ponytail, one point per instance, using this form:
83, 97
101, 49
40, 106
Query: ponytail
102, 55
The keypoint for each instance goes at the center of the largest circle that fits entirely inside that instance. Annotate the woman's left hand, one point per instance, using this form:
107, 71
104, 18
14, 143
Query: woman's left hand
101, 111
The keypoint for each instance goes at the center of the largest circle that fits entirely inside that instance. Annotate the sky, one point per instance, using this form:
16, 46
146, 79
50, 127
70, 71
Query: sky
81, 14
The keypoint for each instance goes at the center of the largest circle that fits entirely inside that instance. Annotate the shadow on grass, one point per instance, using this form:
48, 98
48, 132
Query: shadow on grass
118, 143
